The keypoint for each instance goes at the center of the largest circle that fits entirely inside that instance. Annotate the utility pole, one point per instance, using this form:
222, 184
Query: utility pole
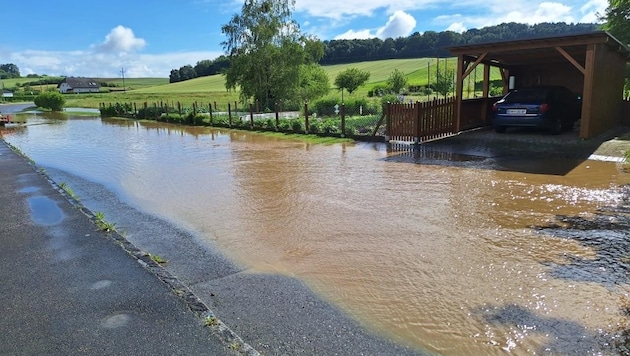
122, 71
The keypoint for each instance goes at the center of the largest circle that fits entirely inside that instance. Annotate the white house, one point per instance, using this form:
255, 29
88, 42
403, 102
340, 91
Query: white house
6, 93
78, 85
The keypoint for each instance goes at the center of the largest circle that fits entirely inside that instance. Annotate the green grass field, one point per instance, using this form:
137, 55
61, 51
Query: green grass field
211, 89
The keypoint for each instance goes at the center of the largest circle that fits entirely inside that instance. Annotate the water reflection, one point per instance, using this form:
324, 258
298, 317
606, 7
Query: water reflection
440, 254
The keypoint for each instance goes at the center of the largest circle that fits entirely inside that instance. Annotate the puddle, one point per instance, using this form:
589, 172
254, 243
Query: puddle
28, 190
44, 211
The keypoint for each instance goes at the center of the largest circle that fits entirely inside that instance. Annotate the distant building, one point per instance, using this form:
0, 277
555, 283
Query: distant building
6, 93
78, 85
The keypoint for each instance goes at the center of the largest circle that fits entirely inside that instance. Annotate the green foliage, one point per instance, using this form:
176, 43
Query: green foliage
266, 50
313, 82
118, 110
9, 70
351, 78
617, 17
396, 81
444, 82
50, 100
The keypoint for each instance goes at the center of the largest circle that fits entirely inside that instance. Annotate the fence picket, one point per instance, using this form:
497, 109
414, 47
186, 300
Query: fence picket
421, 121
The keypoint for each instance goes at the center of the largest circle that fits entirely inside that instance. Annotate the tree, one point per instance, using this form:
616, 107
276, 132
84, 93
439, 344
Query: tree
396, 81
313, 83
9, 70
50, 100
350, 79
266, 49
444, 83
617, 19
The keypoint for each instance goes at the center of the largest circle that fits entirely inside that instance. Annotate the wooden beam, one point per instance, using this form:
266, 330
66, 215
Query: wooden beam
469, 70
571, 59
586, 124
459, 91
486, 80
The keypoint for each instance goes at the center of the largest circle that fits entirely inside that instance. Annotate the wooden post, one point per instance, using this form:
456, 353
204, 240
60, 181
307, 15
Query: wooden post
230, 114
277, 116
417, 122
388, 121
251, 116
343, 120
210, 113
306, 118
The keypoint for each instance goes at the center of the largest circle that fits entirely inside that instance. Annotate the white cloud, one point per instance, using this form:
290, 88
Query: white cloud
400, 24
456, 27
355, 35
519, 11
121, 39
105, 65
592, 10
341, 9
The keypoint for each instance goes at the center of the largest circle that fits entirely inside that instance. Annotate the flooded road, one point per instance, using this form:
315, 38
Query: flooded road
452, 255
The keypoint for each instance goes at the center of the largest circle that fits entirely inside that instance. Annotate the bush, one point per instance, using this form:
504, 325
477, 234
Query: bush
50, 100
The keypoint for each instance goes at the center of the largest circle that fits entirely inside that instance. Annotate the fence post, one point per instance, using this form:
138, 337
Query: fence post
230, 115
388, 121
306, 118
251, 116
210, 113
343, 120
418, 122
277, 116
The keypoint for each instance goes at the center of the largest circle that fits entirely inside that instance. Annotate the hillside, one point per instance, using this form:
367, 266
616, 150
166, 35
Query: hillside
416, 70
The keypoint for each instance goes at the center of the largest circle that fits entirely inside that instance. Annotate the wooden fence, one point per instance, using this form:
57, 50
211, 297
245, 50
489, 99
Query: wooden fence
420, 121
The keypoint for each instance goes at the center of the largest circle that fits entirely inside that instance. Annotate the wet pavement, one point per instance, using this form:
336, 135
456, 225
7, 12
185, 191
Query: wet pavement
69, 288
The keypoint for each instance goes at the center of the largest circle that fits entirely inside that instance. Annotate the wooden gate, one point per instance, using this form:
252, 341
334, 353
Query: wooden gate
421, 121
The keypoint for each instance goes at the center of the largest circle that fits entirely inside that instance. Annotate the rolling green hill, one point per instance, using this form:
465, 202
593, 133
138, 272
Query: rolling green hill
416, 69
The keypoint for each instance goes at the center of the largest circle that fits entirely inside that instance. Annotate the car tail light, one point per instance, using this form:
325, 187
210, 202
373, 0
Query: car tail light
494, 107
544, 107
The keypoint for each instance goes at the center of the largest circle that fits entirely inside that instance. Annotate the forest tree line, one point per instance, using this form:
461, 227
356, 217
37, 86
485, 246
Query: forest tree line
417, 45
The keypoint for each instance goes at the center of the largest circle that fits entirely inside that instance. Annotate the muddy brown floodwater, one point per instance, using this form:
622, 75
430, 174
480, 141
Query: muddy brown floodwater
453, 255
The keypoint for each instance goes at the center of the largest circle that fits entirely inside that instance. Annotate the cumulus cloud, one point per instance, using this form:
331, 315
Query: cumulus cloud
353, 8
400, 24
121, 39
592, 10
456, 27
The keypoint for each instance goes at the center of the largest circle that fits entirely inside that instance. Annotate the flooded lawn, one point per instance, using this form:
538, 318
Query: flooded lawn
452, 254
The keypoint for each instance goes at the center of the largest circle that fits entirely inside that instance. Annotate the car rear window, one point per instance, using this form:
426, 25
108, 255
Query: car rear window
527, 96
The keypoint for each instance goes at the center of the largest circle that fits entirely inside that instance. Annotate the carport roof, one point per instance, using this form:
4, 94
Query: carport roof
538, 50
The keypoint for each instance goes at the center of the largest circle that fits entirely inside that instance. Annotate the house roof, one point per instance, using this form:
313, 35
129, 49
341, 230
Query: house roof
80, 82
539, 50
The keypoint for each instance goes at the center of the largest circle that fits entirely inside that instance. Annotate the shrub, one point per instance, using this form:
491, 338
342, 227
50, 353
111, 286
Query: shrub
297, 126
50, 100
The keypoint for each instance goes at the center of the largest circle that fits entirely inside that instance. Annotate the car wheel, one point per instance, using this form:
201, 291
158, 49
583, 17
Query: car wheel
556, 128
499, 129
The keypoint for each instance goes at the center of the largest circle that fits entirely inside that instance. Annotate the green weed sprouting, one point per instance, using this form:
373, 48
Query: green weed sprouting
157, 258
102, 224
68, 190
210, 321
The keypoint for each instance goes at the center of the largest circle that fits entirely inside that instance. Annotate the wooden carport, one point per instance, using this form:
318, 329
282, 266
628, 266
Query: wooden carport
590, 64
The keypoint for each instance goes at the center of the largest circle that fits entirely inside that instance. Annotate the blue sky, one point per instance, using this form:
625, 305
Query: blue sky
149, 38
